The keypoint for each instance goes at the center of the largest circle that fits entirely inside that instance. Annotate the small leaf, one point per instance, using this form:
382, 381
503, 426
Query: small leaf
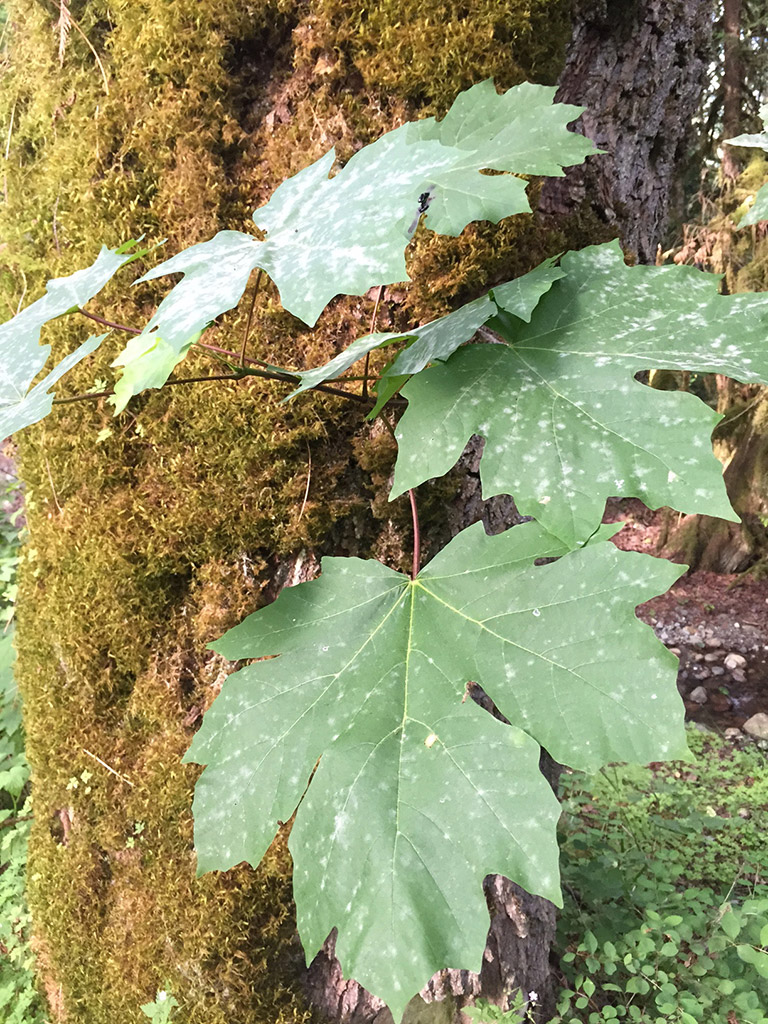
149, 361
215, 276
758, 211
730, 923
22, 357
756, 957
439, 339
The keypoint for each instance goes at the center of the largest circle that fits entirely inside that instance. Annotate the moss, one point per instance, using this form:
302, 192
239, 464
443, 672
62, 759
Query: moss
153, 533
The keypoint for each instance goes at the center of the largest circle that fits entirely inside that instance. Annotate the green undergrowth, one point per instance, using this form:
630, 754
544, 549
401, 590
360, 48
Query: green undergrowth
665, 875
19, 999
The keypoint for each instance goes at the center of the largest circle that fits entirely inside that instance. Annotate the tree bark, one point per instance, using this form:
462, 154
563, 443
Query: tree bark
638, 67
733, 75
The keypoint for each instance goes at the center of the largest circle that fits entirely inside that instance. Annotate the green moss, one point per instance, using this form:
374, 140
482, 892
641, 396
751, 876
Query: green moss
153, 533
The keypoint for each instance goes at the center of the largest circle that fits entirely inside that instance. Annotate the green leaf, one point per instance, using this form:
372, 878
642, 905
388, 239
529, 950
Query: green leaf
758, 210
371, 679
565, 422
336, 366
521, 296
347, 233
440, 338
215, 276
149, 360
756, 957
755, 141
343, 234
22, 357
730, 922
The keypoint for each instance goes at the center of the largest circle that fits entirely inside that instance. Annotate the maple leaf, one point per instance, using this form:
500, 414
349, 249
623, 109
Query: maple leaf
565, 422
419, 792
439, 339
344, 234
21, 355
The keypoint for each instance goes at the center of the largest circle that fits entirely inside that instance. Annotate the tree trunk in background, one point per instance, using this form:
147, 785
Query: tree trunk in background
638, 66
733, 84
153, 534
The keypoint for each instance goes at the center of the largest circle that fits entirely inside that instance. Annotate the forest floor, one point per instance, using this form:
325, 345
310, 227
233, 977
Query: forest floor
717, 625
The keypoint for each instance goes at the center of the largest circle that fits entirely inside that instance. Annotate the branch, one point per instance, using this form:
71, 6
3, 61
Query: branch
109, 323
10, 822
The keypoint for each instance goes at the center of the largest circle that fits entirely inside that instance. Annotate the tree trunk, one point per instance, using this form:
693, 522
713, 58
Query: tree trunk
153, 534
638, 66
733, 82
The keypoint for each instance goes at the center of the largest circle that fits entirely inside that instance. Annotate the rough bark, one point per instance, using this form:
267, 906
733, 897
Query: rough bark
638, 67
732, 84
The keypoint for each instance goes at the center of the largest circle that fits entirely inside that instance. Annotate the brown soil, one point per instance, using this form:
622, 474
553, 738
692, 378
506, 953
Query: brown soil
704, 618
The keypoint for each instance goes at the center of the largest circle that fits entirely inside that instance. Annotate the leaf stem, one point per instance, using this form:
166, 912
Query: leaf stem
414, 511
169, 383
250, 317
108, 323
416, 535
10, 822
370, 331
237, 374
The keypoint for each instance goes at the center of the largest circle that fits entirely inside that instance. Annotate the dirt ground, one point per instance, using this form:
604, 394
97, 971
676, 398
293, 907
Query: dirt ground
716, 624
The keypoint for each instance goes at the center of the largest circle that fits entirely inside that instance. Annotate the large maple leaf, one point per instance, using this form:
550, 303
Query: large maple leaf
344, 234
565, 422
419, 792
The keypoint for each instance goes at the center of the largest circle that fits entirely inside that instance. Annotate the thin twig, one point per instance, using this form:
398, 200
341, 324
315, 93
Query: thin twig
72, 21
10, 131
109, 323
24, 290
10, 822
53, 489
55, 231
105, 765
414, 512
370, 331
250, 317
92, 395
233, 355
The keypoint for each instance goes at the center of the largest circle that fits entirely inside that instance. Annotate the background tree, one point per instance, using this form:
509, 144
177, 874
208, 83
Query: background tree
150, 535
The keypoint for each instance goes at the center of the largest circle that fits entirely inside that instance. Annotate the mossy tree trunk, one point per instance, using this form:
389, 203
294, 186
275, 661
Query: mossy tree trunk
152, 534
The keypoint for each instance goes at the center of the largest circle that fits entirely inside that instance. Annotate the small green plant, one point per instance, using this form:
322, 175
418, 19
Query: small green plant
19, 1000
666, 874
160, 1010
484, 1012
